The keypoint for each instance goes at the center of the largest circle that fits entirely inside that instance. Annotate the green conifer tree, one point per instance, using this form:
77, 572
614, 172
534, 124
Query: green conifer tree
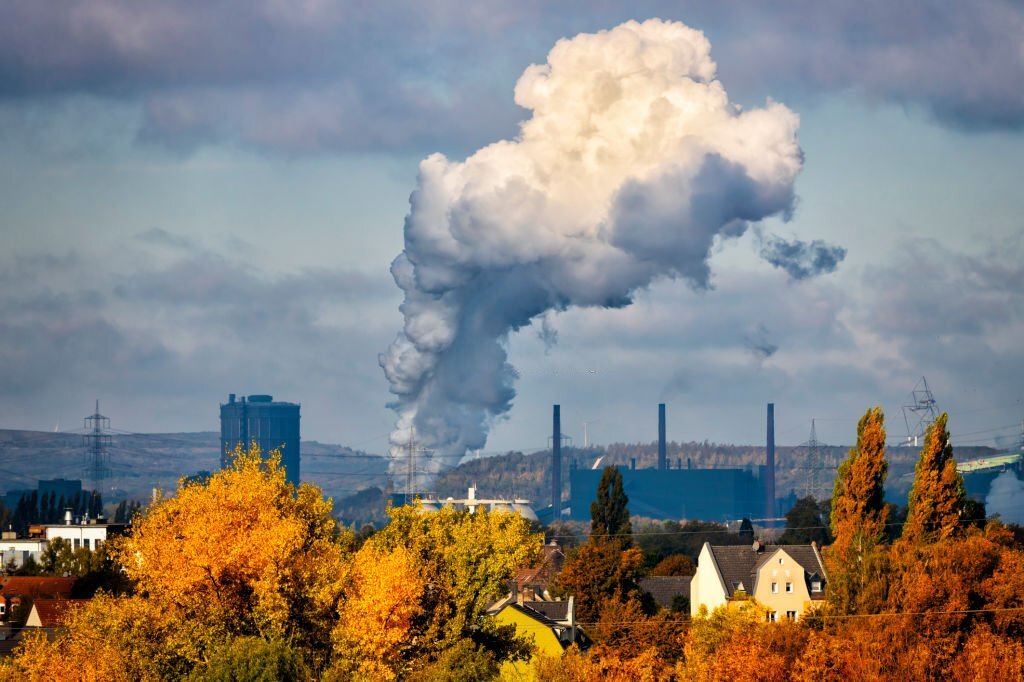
609, 514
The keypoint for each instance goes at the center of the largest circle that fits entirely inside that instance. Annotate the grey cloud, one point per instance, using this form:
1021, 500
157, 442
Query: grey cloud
757, 343
799, 259
333, 75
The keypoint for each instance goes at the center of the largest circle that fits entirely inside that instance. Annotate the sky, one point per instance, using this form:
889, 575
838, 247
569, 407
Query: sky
204, 198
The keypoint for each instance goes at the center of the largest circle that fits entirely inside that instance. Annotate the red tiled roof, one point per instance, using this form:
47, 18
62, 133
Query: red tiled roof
54, 612
37, 586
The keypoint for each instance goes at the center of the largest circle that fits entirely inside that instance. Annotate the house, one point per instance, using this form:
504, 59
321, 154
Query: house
552, 625
89, 533
534, 583
16, 592
15, 551
668, 591
48, 615
788, 580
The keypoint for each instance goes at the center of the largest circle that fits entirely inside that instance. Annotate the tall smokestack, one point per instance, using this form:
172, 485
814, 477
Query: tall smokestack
662, 463
769, 469
556, 461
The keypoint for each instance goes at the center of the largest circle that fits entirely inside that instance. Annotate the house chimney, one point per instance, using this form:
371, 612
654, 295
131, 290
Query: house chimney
556, 462
769, 469
662, 463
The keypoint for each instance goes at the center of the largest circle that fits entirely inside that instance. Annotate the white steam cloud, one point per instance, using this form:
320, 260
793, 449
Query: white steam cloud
1006, 498
632, 164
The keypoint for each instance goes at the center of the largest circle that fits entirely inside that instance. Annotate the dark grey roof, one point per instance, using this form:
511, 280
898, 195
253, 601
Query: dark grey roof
555, 610
738, 564
665, 588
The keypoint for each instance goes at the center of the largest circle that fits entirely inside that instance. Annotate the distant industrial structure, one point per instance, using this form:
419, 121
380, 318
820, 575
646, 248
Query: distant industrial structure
271, 425
683, 493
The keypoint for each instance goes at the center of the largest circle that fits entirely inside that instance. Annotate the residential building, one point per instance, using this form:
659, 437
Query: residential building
668, 591
90, 535
788, 580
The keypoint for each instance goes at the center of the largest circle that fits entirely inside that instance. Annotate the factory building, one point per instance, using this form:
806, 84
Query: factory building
705, 494
271, 425
725, 494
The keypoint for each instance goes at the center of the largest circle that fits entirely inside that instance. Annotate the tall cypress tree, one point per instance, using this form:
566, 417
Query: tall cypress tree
937, 498
609, 514
859, 516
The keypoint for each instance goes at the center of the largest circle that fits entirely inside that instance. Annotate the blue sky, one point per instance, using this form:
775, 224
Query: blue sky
201, 198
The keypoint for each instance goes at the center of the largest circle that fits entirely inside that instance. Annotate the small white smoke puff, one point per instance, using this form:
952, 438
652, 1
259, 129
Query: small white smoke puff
633, 162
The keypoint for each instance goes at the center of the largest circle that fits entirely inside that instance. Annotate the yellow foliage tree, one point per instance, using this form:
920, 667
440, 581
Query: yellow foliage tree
465, 562
382, 598
242, 554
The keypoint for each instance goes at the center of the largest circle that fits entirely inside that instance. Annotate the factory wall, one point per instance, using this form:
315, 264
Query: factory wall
705, 494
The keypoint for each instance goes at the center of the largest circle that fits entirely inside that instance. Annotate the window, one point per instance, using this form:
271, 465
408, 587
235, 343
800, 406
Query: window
85, 543
790, 615
789, 587
77, 543
3, 609
815, 586
771, 616
775, 588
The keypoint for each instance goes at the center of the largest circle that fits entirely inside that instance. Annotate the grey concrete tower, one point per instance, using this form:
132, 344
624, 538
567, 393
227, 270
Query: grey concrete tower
272, 425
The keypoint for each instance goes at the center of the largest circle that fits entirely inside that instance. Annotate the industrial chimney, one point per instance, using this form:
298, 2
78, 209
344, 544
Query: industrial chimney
769, 469
662, 463
556, 462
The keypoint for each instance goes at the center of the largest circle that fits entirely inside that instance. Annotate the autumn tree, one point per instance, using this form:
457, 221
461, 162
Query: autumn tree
858, 521
609, 513
463, 561
805, 523
597, 571
244, 554
674, 565
937, 498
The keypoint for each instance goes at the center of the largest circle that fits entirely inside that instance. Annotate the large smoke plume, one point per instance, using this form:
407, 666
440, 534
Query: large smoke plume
633, 163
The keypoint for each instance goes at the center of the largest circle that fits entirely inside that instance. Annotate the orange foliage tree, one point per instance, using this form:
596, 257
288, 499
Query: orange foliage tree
859, 515
243, 554
937, 498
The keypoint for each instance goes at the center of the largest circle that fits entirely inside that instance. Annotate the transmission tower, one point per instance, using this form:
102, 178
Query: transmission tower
921, 413
815, 466
411, 473
97, 442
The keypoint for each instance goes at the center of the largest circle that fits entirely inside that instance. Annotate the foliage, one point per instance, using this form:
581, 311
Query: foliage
937, 498
609, 513
243, 554
675, 565
664, 539
746, 531
597, 571
382, 598
464, 561
805, 523
605, 665
858, 522
252, 659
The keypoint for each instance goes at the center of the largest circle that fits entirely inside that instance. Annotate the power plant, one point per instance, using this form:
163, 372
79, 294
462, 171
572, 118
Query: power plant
681, 493
271, 425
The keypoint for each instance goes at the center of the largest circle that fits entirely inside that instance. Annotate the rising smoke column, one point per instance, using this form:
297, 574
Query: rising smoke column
632, 164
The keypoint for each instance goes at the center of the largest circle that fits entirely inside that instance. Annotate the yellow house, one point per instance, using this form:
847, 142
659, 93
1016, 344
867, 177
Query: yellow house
788, 580
551, 624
